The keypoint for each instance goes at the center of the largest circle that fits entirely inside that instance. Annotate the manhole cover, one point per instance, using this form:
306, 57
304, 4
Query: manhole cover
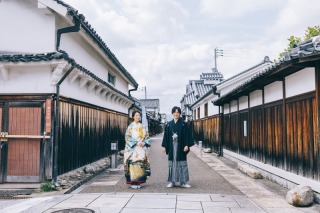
74, 210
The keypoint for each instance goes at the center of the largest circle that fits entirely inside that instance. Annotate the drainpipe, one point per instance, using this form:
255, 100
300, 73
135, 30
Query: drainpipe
57, 126
214, 91
131, 90
77, 23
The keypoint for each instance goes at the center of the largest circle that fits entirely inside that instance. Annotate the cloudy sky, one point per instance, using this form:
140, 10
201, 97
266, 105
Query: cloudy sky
166, 43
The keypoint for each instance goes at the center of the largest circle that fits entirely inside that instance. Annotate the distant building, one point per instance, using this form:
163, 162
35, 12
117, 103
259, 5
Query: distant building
163, 118
196, 89
152, 106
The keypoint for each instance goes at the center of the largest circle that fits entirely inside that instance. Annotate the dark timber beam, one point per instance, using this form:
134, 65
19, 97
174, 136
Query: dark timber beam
317, 78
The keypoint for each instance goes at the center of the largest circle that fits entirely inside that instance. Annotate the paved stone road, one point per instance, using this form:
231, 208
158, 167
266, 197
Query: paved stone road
202, 178
217, 187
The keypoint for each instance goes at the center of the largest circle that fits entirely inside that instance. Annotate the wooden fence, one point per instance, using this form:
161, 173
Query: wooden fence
86, 133
284, 137
207, 131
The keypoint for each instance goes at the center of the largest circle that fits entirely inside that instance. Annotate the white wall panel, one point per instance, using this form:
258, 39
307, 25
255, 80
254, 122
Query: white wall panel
273, 92
234, 106
256, 98
24, 80
300, 82
226, 109
243, 103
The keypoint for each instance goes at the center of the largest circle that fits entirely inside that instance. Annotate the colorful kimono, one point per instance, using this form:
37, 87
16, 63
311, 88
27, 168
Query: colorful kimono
136, 160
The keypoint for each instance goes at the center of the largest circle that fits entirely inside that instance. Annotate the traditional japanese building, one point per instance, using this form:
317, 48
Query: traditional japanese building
64, 96
196, 90
268, 117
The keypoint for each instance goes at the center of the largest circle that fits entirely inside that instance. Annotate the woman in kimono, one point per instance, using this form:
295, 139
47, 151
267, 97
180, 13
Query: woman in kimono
136, 161
176, 143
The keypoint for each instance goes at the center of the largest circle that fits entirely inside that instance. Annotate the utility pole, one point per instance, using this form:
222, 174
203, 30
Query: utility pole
217, 53
145, 92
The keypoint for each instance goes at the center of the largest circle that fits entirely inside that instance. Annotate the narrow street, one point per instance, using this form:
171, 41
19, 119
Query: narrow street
217, 186
202, 178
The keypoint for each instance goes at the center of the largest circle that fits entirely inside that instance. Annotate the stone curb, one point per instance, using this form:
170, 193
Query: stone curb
251, 172
80, 183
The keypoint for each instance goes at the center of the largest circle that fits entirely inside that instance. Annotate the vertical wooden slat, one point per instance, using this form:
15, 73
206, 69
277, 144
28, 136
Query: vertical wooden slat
315, 139
24, 154
317, 84
1, 109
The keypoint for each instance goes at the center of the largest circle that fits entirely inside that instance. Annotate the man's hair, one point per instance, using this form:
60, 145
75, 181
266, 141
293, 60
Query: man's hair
176, 108
134, 113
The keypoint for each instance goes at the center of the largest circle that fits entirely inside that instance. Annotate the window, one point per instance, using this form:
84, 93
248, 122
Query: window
111, 79
198, 112
194, 114
206, 110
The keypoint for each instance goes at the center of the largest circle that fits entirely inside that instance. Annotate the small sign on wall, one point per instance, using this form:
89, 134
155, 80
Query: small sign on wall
48, 116
245, 128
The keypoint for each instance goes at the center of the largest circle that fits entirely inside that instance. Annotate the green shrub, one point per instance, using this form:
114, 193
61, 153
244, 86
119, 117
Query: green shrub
47, 187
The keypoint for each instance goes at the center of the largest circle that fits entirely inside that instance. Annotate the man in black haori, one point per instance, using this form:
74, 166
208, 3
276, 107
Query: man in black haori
176, 143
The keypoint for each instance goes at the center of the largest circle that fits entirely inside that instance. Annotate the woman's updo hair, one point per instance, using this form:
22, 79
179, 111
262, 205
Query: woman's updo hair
134, 113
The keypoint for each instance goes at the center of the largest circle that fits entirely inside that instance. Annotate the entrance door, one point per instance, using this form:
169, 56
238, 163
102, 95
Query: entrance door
24, 141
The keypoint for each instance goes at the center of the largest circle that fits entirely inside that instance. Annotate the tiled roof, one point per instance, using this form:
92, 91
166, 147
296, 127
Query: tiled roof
203, 88
265, 62
307, 48
25, 58
214, 75
196, 90
97, 39
150, 103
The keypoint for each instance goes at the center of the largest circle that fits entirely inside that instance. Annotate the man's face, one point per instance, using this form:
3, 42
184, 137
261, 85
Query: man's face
176, 115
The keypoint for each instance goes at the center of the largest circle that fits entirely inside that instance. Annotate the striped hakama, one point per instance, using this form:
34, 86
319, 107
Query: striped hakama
178, 170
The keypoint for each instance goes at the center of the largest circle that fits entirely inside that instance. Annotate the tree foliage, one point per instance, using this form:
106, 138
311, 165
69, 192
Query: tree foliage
293, 40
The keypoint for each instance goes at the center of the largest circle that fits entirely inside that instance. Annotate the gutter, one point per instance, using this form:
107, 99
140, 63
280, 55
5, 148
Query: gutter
131, 90
75, 28
57, 126
77, 23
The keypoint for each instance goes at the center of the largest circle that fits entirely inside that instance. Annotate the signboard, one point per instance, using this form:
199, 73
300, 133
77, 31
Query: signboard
48, 116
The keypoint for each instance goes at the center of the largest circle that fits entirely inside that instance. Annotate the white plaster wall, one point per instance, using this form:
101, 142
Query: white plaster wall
27, 80
84, 54
212, 109
202, 111
234, 106
273, 92
73, 91
226, 109
300, 82
26, 27
243, 103
37, 80
255, 98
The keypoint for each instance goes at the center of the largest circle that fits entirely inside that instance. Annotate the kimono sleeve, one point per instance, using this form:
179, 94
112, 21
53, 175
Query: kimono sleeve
165, 141
128, 137
188, 134
146, 139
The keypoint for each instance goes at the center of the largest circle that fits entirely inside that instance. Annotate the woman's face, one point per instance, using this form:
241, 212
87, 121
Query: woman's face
176, 115
137, 117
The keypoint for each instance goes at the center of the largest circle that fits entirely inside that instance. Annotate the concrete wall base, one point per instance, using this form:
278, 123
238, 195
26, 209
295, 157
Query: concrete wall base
279, 176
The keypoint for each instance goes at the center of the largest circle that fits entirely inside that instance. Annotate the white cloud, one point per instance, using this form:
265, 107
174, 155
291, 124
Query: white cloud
166, 43
234, 8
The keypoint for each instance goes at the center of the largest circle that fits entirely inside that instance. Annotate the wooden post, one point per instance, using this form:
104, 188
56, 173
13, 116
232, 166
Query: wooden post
284, 125
317, 147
